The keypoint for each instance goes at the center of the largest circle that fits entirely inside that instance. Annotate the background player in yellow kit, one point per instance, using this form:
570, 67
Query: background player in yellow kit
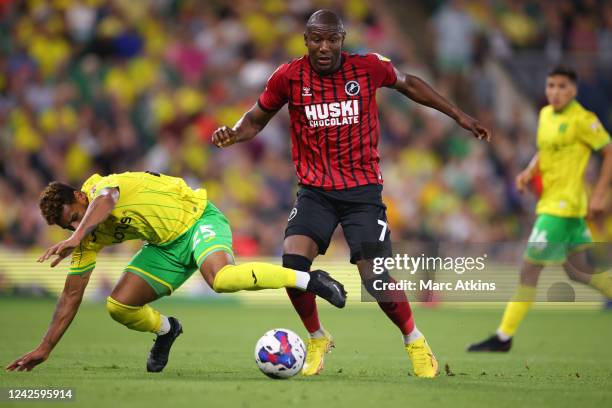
183, 232
567, 133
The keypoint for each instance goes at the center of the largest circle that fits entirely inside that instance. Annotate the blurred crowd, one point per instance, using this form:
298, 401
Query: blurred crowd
115, 85
529, 36
550, 27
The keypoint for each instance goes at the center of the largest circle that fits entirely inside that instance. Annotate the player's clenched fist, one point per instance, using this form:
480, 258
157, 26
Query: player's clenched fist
224, 136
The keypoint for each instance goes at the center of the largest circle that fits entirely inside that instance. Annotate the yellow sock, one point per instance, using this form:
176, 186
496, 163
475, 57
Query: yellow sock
517, 309
603, 283
140, 318
254, 276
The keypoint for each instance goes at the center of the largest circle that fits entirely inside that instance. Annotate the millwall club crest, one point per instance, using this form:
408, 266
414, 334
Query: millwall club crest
351, 88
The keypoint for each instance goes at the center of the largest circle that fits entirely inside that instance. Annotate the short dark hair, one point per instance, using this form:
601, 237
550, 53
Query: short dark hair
52, 200
565, 71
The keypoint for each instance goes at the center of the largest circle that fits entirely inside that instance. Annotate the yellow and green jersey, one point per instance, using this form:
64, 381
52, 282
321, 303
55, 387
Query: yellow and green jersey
151, 207
565, 142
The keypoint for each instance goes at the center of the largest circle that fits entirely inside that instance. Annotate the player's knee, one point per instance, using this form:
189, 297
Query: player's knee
217, 289
139, 318
118, 311
301, 245
572, 275
570, 271
214, 264
223, 280
366, 253
296, 262
375, 286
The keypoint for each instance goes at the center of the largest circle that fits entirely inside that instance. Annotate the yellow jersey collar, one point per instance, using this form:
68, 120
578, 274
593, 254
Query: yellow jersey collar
89, 185
567, 107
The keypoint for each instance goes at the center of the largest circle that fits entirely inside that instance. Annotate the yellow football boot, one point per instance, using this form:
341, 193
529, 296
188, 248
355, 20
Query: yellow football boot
424, 363
315, 352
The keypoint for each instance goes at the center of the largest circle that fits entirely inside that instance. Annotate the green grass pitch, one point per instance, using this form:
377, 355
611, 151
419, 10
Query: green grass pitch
561, 358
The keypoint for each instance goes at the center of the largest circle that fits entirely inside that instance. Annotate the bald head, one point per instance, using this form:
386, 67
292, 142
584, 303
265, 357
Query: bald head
325, 20
324, 37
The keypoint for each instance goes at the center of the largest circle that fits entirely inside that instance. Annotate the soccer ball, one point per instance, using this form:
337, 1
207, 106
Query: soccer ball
280, 353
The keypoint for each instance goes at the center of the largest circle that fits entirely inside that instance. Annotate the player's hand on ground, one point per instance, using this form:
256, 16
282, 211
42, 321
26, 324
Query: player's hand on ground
28, 361
61, 249
473, 125
522, 180
224, 136
597, 205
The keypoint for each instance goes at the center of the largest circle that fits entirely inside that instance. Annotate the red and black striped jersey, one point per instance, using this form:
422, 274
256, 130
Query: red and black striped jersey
334, 118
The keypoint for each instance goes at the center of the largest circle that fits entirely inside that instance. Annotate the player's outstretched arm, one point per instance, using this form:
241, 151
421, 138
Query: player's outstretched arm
97, 211
525, 176
65, 310
597, 203
249, 125
417, 90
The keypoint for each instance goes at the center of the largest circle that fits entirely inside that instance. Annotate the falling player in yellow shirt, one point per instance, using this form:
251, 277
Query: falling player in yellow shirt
183, 232
567, 133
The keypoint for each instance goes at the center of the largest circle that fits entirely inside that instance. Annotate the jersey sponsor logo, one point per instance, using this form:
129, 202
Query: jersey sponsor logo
292, 214
119, 234
332, 114
352, 88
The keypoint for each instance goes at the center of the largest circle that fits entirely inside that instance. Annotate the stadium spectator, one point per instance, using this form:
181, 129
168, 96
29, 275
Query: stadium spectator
107, 86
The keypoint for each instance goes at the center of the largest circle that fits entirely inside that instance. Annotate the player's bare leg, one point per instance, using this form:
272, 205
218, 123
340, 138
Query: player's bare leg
397, 308
301, 245
132, 290
128, 305
213, 264
220, 272
515, 311
579, 269
298, 252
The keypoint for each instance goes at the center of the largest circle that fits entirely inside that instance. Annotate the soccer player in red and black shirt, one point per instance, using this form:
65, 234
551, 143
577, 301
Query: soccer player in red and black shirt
335, 133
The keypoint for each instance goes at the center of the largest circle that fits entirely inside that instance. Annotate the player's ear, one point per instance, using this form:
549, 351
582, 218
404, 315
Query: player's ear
80, 197
305, 39
574, 88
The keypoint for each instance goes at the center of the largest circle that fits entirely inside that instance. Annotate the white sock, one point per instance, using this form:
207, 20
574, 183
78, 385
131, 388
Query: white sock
503, 336
302, 279
413, 336
165, 326
317, 334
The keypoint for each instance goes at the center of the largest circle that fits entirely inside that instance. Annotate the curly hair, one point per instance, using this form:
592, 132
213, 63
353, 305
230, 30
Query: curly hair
52, 200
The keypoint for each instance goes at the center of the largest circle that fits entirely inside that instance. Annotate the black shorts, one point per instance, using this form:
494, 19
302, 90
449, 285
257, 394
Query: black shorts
360, 211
